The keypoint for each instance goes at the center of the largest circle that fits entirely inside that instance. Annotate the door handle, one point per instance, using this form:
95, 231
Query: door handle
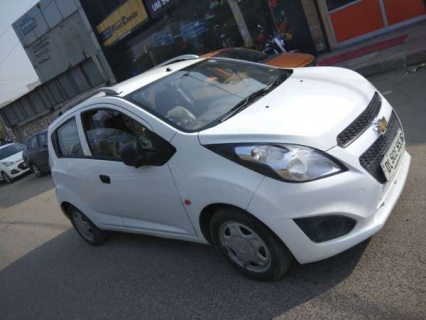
105, 179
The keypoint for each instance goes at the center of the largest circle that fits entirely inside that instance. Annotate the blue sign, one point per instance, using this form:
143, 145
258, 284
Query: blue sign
193, 29
163, 38
27, 24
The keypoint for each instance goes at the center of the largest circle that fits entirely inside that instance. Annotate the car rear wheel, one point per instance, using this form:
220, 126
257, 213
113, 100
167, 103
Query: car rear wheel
249, 246
6, 178
86, 228
36, 170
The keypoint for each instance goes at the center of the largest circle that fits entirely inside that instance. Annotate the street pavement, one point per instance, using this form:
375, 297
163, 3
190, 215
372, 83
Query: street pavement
48, 272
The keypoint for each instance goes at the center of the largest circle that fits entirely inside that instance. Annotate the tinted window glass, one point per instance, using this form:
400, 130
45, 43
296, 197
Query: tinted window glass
108, 130
335, 4
10, 150
33, 143
200, 95
68, 141
42, 138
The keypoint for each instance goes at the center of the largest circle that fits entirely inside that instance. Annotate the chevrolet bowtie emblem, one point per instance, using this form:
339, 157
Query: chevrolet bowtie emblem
381, 126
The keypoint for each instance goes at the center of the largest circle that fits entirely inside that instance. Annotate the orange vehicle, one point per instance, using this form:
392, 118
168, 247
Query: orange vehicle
283, 60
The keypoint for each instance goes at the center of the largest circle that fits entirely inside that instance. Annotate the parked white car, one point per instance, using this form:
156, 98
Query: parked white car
264, 163
12, 164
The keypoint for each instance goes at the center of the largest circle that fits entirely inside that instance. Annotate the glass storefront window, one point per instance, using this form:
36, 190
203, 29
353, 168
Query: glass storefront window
193, 27
335, 4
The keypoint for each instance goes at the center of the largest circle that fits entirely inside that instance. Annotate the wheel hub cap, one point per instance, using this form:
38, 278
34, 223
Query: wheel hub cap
83, 226
245, 247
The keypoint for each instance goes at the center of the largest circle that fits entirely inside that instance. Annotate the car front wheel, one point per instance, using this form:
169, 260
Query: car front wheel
249, 246
6, 178
86, 228
36, 170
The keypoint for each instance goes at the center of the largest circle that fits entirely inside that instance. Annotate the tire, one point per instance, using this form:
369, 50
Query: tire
6, 178
36, 170
261, 254
86, 228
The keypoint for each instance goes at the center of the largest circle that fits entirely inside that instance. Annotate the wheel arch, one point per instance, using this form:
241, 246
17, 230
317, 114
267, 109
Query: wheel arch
209, 211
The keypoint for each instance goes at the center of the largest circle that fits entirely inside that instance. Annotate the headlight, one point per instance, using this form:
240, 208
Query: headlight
291, 163
9, 163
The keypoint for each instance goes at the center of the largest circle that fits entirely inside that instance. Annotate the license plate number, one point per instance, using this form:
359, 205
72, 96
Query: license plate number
393, 156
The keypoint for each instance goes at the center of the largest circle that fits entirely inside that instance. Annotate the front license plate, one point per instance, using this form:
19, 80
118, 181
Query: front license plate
393, 156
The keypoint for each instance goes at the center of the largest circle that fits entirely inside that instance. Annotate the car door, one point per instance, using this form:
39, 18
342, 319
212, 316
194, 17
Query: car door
32, 147
145, 198
41, 156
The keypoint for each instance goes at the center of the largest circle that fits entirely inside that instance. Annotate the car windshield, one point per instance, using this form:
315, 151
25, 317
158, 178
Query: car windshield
10, 150
199, 96
243, 54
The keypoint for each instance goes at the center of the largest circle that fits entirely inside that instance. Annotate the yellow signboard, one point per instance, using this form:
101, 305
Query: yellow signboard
122, 21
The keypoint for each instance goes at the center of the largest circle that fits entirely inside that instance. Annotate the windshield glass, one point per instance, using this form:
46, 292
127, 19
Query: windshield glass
243, 54
198, 97
10, 150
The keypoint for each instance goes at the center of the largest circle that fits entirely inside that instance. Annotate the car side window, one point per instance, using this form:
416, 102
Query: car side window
66, 140
42, 139
108, 130
33, 143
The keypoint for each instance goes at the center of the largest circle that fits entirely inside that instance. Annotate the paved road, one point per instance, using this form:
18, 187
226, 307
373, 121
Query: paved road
47, 272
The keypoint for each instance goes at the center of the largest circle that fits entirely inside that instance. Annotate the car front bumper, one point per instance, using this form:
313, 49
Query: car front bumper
16, 169
353, 194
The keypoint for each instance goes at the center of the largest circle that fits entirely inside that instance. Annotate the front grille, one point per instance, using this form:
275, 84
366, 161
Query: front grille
370, 159
360, 124
22, 166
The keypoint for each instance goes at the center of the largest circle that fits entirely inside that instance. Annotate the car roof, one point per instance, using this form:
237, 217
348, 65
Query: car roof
38, 132
149, 76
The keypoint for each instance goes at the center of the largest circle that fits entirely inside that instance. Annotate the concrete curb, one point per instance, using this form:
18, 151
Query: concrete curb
394, 64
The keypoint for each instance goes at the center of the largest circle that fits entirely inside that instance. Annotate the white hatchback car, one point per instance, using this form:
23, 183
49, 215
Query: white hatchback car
264, 163
12, 165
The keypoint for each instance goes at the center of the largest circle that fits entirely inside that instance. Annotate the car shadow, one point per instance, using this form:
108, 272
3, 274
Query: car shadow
136, 277
23, 188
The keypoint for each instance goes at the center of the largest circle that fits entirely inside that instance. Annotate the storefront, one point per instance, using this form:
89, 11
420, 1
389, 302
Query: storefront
137, 35
354, 20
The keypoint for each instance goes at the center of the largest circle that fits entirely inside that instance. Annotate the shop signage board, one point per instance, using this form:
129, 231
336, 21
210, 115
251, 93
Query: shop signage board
157, 7
122, 21
163, 38
27, 24
193, 29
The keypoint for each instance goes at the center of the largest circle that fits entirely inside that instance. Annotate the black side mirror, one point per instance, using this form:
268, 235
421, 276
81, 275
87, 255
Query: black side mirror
131, 155
44, 146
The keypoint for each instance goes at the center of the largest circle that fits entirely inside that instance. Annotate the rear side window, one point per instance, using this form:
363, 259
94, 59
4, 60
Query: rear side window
66, 140
33, 143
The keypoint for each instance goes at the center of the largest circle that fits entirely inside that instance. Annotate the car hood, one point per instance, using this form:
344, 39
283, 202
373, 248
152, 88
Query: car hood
310, 108
13, 157
290, 60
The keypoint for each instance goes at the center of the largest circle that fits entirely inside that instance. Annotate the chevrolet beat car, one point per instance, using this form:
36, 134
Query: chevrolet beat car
12, 164
266, 164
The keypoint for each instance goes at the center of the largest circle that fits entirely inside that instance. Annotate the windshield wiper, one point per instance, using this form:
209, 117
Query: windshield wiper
243, 104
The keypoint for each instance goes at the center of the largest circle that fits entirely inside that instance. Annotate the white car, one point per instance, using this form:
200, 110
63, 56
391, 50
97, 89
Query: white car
12, 164
266, 164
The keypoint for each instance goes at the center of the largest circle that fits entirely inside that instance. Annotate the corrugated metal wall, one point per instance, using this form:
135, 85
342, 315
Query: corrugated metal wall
52, 94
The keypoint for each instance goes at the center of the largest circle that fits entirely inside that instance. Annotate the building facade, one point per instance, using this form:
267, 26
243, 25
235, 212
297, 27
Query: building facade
349, 21
139, 34
67, 58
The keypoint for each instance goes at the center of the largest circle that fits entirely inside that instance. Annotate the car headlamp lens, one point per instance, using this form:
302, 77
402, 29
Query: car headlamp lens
9, 163
290, 163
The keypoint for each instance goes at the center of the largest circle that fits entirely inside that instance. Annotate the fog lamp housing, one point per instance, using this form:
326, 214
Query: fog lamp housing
325, 228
